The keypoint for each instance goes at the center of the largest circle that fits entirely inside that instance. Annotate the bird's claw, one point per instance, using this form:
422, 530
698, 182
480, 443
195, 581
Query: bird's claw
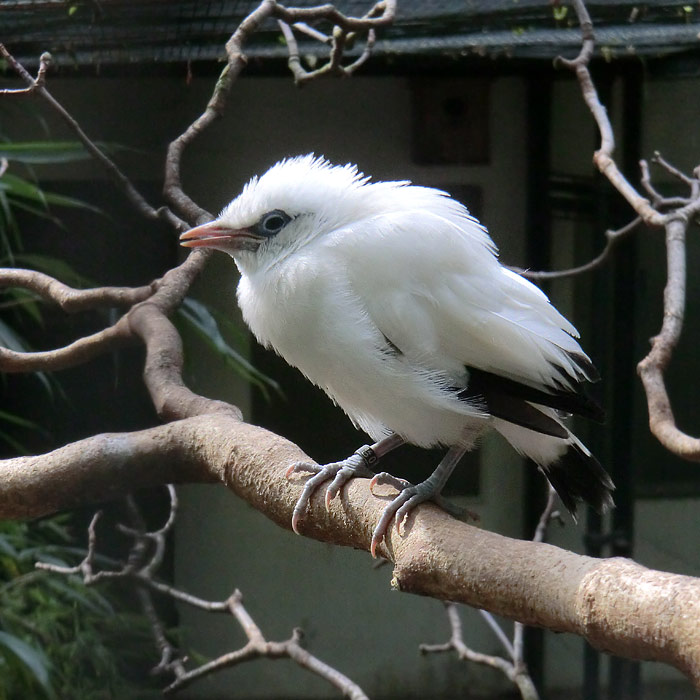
338, 472
409, 497
385, 478
401, 506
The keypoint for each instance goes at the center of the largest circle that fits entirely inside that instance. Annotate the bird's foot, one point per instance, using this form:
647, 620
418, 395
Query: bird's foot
338, 472
409, 497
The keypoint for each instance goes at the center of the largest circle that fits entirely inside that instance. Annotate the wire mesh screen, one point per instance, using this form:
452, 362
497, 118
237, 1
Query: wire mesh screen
109, 32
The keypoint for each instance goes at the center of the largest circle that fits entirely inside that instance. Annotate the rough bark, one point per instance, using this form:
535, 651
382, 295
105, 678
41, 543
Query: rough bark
617, 605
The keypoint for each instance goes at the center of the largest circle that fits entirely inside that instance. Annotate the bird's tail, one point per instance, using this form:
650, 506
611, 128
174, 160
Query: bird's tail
573, 471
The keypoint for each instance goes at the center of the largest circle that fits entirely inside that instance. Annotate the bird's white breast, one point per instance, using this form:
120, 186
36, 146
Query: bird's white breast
307, 310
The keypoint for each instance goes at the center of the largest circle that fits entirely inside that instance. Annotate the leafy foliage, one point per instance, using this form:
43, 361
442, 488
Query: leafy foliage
207, 323
58, 638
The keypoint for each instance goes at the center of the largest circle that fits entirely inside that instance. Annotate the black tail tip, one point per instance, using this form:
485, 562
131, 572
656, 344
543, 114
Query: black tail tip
577, 477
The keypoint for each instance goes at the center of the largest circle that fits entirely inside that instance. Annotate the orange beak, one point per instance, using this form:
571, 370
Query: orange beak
217, 235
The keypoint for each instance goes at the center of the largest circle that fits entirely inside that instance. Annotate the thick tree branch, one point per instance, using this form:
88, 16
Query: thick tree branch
162, 297
513, 667
615, 604
76, 353
70, 299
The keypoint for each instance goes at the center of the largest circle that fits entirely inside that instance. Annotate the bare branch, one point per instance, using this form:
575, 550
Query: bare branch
339, 39
170, 661
548, 514
170, 292
438, 557
498, 632
172, 187
70, 299
657, 199
99, 156
513, 671
310, 31
651, 369
603, 156
380, 15
141, 568
612, 239
691, 182
44, 62
75, 353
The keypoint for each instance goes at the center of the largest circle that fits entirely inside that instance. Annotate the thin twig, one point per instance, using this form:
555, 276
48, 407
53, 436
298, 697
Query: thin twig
45, 61
498, 631
613, 237
603, 156
341, 35
514, 671
313, 33
675, 172
98, 155
141, 568
675, 222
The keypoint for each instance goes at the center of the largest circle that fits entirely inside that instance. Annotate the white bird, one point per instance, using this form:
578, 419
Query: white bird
391, 299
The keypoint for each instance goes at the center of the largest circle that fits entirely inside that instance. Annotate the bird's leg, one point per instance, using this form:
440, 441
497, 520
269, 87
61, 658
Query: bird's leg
359, 463
410, 496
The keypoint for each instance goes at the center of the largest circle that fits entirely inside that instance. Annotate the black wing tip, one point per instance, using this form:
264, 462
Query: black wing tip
571, 391
578, 476
584, 363
593, 409
562, 397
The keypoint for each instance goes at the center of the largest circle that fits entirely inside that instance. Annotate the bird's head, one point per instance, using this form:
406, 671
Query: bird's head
294, 202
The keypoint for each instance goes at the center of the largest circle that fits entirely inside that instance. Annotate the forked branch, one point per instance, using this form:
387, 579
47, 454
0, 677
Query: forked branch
675, 221
141, 570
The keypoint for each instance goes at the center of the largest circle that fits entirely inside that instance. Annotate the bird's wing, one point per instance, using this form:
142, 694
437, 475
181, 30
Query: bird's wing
433, 287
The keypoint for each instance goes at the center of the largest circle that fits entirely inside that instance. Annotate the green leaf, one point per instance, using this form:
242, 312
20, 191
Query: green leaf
202, 320
44, 152
16, 445
34, 660
24, 300
13, 341
10, 339
17, 420
8, 227
55, 267
6, 548
88, 598
19, 187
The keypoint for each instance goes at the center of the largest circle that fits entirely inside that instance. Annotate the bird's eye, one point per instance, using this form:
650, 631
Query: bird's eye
272, 223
